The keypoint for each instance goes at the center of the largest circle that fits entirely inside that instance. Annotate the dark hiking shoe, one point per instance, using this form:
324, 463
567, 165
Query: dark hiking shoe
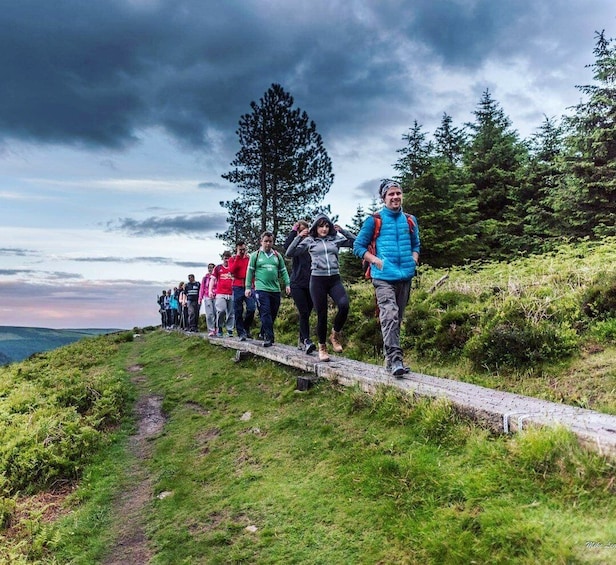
309, 347
397, 369
268, 343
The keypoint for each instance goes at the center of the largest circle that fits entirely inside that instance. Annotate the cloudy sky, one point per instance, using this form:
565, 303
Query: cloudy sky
118, 117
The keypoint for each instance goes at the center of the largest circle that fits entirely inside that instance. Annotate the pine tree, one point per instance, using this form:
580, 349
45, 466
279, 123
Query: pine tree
282, 169
351, 265
493, 161
416, 154
592, 145
450, 141
541, 191
436, 192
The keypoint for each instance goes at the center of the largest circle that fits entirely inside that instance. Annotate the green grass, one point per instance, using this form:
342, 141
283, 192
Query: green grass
337, 476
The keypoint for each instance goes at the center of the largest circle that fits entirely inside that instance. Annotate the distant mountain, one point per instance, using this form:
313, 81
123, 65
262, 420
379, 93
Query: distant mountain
17, 343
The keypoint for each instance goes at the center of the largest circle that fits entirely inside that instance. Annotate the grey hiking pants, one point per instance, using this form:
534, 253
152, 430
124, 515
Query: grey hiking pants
392, 298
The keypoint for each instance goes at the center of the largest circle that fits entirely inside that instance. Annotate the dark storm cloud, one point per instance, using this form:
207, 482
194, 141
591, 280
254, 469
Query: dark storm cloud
195, 225
466, 33
97, 72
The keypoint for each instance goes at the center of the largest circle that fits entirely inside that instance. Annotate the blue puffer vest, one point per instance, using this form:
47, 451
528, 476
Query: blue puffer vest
394, 245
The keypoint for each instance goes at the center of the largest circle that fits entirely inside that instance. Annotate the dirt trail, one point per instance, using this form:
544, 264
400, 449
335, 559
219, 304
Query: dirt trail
131, 545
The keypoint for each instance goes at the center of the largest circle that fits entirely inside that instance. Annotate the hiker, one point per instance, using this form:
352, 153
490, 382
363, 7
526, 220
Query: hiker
172, 312
182, 306
207, 297
393, 262
161, 309
169, 310
222, 282
323, 241
192, 296
238, 264
300, 288
265, 268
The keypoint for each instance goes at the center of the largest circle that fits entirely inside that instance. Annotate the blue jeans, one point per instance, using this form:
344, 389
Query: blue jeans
243, 322
269, 304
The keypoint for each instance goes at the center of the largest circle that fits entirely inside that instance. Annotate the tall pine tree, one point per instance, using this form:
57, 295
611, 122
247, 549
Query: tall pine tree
493, 161
592, 144
282, 169
540, 194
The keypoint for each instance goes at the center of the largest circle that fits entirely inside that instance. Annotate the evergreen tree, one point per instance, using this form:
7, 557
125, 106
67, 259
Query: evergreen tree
450, 141
447, 214
375, 206
541, 191
350, 265
436, 191
282, 169
493, 161
416, 154
592, 144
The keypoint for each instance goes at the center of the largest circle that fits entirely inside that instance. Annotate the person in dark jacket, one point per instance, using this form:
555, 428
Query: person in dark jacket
300, 288
323, 241
192, 295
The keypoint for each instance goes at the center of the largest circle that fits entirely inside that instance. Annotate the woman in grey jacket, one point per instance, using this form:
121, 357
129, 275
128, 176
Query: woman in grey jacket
323, 241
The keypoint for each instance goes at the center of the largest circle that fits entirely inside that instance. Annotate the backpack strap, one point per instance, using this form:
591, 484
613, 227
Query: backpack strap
378, 221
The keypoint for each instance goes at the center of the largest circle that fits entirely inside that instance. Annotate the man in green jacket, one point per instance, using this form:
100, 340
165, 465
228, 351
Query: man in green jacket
266, 267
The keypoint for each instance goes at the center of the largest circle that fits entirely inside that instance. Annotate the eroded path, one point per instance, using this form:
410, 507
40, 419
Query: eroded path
131, 544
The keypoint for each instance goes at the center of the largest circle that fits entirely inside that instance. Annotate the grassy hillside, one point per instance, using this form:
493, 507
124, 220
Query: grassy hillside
247, 470
542, 325
17, 343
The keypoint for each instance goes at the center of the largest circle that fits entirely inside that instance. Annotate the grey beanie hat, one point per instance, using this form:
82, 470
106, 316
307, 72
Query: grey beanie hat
386, 184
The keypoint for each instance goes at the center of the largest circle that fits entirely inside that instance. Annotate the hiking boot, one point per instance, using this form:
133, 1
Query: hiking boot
397, 369
309, 347
268, 343
243, 337
335, 340
323, 355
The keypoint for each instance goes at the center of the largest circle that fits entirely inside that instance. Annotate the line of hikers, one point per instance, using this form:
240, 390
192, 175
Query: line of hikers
388, 243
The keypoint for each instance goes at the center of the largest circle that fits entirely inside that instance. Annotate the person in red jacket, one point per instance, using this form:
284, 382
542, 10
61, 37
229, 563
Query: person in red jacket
238, 265
208, 299
221, 283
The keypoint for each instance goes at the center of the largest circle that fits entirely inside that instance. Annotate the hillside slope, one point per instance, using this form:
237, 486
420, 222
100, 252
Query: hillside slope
18, 343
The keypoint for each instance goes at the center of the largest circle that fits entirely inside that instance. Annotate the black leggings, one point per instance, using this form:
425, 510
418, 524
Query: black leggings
320, 289
303, 302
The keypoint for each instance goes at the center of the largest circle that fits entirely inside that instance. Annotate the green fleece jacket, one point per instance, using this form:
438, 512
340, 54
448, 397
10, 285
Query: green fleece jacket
266, 271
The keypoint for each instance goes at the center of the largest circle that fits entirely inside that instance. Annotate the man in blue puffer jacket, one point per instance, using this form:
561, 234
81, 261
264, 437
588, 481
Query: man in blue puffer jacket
393, 266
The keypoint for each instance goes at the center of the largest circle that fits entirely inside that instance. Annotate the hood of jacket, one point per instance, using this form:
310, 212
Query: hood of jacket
317, 219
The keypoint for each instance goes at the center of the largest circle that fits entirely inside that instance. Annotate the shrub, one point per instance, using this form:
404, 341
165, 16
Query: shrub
599, 300
441, 323
604, 330
520, 344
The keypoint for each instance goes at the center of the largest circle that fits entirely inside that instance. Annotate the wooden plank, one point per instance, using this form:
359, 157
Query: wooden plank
500, 411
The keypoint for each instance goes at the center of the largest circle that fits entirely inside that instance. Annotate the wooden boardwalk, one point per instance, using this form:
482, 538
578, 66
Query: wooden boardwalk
500, 411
